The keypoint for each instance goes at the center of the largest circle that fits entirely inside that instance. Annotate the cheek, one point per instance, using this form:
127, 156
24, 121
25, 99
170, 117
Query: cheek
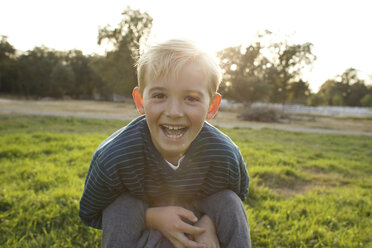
152, 109
198, 115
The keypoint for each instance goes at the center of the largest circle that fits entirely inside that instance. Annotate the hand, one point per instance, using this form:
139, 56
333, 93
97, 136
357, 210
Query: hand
168, 220
209, 237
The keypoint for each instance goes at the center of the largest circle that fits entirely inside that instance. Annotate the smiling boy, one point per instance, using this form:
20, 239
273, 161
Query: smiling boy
170, 179
175, 110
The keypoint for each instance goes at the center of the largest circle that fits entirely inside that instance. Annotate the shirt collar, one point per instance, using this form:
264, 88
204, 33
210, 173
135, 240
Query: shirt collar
175, 167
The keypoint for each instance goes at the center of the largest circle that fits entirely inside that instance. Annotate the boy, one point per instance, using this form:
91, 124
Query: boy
169, 179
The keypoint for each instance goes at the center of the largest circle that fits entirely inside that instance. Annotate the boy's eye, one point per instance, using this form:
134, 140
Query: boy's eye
192, 99
158, 95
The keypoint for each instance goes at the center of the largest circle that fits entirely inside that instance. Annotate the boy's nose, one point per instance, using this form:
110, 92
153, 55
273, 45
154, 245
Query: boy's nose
174, 109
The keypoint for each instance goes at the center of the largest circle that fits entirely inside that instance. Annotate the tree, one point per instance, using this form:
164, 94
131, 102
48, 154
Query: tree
35, 69
350, 76
243, 73
356, 87
229, 60
266, 72
62, 80
333, 92
117, 68
7, 66
346, 89
44, 72
366, 101
356, 93
287, 64
86, 82
298, 92
315, 100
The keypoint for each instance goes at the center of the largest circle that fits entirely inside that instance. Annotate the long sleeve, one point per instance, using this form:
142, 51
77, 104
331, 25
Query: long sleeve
244, 181
112, 169
238, 178
99, 192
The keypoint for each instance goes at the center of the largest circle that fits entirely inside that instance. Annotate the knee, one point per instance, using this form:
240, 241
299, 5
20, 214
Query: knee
224, 208
124, 208
227, 198
228, 195
222, 202
124, 202
123, 221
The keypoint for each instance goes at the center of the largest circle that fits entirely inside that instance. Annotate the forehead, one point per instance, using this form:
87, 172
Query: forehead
188, 76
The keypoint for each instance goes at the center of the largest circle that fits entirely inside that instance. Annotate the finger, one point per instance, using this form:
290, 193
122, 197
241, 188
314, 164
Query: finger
189, 243
189, 229
176, 243
187, 214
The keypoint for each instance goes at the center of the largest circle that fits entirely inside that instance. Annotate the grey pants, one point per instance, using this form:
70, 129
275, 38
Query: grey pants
123, 228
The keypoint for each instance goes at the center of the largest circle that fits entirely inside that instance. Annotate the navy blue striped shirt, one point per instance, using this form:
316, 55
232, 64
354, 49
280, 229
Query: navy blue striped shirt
127, 161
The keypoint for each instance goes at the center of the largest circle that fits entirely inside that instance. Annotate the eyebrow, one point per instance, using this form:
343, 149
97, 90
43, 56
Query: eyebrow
158, 88
198, 92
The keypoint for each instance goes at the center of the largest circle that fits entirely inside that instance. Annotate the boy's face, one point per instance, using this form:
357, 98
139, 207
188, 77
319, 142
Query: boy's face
176, 109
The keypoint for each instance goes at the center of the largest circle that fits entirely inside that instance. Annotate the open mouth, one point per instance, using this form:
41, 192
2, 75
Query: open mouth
173, 132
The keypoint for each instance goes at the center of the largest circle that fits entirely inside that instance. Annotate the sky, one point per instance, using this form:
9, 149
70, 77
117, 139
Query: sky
338, 29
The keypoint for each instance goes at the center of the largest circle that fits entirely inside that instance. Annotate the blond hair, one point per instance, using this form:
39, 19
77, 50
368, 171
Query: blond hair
167, 59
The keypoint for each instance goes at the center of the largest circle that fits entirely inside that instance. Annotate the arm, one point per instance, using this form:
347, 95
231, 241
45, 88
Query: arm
244, 179
238, 178
97, 195
168, 220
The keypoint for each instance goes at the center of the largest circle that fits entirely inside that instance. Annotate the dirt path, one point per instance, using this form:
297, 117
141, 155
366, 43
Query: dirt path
127, 111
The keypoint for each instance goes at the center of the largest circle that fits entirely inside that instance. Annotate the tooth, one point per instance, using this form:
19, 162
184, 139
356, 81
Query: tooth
172, 127
174, 136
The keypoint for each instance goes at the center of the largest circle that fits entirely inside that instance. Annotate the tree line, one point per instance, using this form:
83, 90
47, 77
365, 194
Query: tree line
262, 71
43, 72
272, 72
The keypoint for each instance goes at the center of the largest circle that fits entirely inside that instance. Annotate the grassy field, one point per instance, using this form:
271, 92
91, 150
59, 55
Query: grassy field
307, 190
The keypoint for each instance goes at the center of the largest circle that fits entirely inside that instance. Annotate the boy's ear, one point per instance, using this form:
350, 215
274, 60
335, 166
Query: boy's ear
213, 107
138, 100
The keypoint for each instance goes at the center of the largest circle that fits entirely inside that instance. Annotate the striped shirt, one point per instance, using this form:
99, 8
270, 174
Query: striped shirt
127, 161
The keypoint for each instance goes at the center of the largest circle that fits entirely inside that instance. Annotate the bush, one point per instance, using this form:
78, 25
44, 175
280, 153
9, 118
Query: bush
261, 114
315, 100
366, 101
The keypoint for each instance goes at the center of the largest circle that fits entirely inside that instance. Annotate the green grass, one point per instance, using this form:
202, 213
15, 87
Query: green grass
356, 118
307, 190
